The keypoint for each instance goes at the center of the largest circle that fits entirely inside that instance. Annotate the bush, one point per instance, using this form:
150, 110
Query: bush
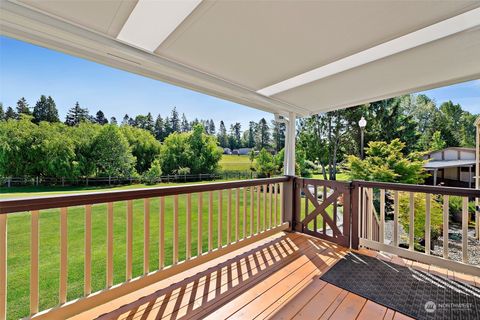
455, 208
152, 175
436, 219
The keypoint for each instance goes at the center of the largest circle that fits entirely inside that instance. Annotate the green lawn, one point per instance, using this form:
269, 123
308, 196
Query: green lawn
340, 176
19, 243
235, 163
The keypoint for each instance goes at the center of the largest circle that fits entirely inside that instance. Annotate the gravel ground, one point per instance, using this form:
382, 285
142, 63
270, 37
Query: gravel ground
454, 243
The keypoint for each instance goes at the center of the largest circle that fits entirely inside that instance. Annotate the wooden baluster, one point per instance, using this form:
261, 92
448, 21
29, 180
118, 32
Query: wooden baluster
244, 213
324, 198
411, 238
275, 220
188, 240
129, 251
465, 230
220, 217
396, 211
175, 229
258, 209
265, 187
270, 200
109, 273
199, 222
370, 217
382, 216
307, 189
282, 195
251, 209
87, 275
237, 215
34, 263
161, 233
146, 235
3, 266
446, 210
229, 217
428, 197
63, 256
315, 220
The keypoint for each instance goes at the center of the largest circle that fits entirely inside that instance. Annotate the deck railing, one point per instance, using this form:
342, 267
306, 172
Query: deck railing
228, 216
411, 202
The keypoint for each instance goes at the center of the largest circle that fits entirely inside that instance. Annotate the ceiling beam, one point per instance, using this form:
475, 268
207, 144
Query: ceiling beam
445, 28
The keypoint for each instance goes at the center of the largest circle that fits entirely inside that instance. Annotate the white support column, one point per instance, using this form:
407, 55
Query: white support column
477, 178
289, 159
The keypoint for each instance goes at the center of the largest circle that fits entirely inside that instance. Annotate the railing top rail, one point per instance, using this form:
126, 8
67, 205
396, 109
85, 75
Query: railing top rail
452, 191
51, 202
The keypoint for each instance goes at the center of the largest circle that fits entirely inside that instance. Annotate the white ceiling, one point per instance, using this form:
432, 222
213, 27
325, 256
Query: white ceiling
232, 49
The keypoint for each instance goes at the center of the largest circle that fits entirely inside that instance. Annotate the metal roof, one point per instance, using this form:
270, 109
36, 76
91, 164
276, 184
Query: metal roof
279, 56
440, 164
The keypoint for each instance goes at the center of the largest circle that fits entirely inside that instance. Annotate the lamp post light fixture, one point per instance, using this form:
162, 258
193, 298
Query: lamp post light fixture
362, 123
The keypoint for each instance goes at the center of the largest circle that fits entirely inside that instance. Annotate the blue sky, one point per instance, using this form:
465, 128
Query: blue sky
29, 71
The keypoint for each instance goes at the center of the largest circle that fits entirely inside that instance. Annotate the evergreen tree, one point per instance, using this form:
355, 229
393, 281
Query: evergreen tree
10, 114
185, 126
222, 135
278, 135
235, 137
263, 135
22, 107
149, 124
51, 111
251, 133
113, 120
175, 120
76, 115
167, 127
40, 110
2, 113
100, 118
211, 127
159, 130
125, 120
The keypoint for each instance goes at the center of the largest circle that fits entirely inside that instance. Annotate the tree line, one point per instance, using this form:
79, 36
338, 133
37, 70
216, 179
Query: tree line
258, 135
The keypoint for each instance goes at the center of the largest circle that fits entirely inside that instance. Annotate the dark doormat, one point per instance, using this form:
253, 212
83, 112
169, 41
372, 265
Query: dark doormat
409, 291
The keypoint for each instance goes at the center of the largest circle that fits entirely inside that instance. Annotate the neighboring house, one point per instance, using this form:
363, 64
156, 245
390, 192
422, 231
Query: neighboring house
453, 166
244, 151
227, 151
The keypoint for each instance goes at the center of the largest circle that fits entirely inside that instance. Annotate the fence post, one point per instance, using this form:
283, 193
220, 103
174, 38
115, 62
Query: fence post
354, 215
288, 199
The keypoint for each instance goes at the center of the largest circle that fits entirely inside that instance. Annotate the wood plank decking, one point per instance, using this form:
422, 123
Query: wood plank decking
275, 278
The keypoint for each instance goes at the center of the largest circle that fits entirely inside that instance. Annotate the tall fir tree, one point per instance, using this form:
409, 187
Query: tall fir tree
76, 115
184, 126
159, 128
10, 114
100, 118
2, 113
263, 135
40, 109
51, 111
211, 127
22, 107
175, 120
278, 135
222, 135
113, 121
252, 131
149, 124
235, 137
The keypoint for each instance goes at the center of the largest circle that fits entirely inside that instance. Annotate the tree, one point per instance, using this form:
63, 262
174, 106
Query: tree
265, 165
185, 126
437, 142
76, 115
2, 113
112, 154
211, 127
154, 172
144, 147
52, 111
113, 120
251, 133
100, 118
125, 120
10, 114
22, 107
159, 129
40, 109
174, 120
263, 135
278, 135
235, 136
386, 162
222, 135
194, 150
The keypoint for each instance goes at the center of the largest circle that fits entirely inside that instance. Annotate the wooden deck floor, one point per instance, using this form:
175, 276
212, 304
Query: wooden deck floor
275, 278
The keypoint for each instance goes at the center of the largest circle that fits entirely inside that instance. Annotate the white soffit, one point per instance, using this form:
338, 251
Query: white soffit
462, 22
152, 21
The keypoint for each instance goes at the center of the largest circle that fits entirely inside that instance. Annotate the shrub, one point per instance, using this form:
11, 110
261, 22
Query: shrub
152, 175
436, 220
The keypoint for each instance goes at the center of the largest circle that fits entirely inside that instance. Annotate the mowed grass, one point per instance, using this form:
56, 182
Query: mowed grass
19, 243
235, 163
340, 176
